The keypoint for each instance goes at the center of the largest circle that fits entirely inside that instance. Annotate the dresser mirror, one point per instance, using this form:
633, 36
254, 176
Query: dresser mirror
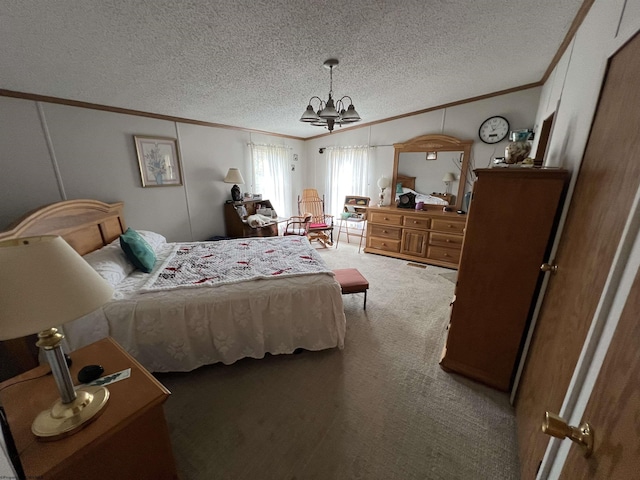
423, 163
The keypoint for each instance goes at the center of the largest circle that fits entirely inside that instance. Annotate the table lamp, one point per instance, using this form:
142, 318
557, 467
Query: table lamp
447, 179
383, 183
46, 283
234, 176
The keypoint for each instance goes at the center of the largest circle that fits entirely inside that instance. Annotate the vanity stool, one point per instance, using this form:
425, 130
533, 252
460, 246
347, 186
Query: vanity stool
352, 281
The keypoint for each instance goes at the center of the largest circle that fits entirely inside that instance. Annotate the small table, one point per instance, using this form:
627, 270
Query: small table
129, 440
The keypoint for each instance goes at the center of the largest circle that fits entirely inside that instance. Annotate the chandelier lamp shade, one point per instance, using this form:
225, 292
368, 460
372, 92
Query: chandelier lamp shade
331, 112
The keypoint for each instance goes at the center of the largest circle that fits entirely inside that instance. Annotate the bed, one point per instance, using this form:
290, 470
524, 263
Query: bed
408, 184
180, 329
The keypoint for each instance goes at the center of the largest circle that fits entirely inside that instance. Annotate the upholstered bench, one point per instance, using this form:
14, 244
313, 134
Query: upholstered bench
352, 281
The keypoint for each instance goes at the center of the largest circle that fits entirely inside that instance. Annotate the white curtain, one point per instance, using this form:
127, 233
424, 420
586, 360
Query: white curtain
347, 174
271, 175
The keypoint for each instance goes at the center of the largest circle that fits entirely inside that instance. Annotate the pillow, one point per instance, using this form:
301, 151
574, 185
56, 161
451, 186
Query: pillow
137, 250
111, 263
399, 188
154, 239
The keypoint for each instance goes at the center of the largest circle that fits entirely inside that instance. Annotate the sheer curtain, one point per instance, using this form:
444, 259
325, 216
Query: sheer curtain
347, 174
271, 176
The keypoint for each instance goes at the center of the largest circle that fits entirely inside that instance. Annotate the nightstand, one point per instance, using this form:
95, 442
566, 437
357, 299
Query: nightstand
130, 440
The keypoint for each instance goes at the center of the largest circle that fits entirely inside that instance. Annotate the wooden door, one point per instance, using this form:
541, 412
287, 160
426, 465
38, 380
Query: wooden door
613, 406
603, 195
414, 242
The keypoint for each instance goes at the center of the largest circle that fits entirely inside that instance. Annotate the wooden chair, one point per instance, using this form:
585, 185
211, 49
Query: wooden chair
321, 225
298, 225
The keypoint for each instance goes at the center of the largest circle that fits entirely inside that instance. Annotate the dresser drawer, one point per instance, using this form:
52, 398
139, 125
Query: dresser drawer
444, 240
384, 244
419, 223
393, 233
449, 255
449, 226
385, 218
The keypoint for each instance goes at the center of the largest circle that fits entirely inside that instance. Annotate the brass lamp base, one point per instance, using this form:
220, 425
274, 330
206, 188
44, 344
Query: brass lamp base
63, 419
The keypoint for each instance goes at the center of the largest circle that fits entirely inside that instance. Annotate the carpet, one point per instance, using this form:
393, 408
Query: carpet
380, 409
451, 276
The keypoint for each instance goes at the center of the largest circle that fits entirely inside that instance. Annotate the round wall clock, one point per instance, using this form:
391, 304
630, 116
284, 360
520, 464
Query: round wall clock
494, 129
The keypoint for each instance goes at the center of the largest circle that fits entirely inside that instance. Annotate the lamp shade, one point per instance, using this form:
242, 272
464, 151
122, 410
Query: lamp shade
234, 176
45, 283
449, 177
384, 182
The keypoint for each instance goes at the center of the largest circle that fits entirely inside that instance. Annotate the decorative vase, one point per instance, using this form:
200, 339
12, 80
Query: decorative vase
159, 179
516, 152
518, 149
466, 201
235, 193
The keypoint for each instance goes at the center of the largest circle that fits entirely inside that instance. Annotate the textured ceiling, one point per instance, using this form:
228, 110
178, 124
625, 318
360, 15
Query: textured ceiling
255, 63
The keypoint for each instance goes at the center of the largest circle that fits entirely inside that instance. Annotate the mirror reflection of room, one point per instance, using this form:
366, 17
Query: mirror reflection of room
430, 174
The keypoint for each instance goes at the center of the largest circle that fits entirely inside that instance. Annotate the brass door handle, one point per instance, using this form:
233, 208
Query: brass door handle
549, 267
557, 427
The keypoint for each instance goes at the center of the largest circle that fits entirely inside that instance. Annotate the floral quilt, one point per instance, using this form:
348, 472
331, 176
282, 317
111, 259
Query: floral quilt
219, 263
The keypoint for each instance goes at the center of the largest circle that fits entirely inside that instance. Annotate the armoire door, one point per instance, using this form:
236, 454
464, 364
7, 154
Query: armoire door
605, 188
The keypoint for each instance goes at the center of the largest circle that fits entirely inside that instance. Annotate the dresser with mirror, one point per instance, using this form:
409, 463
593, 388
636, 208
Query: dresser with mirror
424, 233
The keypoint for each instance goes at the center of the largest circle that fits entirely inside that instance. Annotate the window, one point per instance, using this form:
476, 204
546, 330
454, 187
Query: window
271, 176
347, 174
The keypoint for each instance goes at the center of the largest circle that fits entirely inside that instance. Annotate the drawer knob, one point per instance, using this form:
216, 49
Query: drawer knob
446, 254
448, 240
415, 221
384, 231
384, 244
450, 226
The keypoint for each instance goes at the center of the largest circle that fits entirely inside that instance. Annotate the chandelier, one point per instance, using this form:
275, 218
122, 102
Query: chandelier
329, 113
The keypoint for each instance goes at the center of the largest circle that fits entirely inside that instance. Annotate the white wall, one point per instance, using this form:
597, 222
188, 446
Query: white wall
56, 152
462, 121
572, 92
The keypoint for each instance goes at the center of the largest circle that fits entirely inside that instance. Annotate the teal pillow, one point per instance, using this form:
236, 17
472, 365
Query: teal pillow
399, 188
137, 250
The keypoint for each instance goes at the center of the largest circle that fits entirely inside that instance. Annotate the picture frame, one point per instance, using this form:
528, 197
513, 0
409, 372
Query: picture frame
158, 160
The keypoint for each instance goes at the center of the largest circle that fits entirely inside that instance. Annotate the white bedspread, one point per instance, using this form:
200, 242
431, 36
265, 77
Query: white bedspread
180, 330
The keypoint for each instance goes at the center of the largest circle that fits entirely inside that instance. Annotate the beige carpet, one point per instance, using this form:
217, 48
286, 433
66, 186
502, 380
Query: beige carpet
380, 409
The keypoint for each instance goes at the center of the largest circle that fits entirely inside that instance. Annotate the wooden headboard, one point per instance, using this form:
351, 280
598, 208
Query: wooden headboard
407, 182
86, 225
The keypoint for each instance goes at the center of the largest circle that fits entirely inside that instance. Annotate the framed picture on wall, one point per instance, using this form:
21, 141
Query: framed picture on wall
158, 160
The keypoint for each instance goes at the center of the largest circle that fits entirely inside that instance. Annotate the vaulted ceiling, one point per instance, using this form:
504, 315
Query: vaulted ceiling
255, 63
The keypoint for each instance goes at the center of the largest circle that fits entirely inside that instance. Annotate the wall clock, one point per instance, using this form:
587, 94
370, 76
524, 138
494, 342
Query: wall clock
494, 130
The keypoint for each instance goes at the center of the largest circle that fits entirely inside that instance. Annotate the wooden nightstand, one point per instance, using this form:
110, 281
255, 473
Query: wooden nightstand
130, 440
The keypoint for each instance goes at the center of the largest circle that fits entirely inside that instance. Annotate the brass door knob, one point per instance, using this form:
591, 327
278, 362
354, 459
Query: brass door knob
549, 267
557, 427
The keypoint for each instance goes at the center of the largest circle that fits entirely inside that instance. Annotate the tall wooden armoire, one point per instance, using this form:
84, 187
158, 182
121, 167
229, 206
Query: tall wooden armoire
510, 226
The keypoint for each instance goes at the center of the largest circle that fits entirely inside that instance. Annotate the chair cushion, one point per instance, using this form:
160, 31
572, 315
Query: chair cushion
351, 280
318, 225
